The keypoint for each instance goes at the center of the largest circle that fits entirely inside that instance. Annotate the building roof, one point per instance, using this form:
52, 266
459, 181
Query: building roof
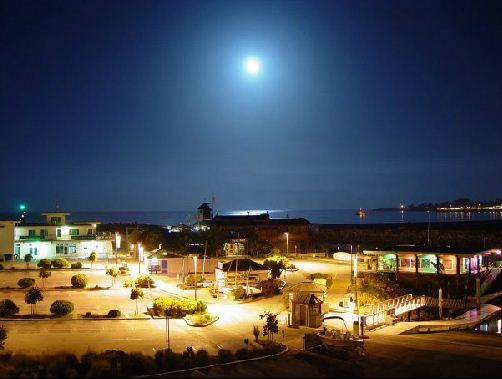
251, 220
205, 206
243, 265
163, 254
306, 298
307, 287
414, 249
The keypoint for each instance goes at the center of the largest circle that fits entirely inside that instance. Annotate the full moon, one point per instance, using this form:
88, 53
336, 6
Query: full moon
252, 66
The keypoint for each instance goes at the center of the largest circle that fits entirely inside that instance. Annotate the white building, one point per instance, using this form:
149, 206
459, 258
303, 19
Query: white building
53, 239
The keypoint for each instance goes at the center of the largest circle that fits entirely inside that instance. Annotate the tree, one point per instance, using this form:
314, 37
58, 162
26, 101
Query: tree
276, 264
113, 272
271, 325
44, 263
256, 332
3, 336
144, 281
32, 297
136, 294
44, 274
27, 259
92, 258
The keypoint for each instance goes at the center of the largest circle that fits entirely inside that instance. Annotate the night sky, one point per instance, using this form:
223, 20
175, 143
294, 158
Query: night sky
144, 105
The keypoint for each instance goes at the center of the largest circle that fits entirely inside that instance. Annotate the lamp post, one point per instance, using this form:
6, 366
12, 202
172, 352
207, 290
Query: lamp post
195, 269
117, 247
357, 302
140, 254
287, 243
168, 337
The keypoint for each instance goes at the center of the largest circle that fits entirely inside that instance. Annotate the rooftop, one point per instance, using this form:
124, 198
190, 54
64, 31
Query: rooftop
261, 219
243, 265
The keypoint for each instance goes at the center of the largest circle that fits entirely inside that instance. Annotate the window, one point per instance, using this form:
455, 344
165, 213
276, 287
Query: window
59, 248
58, 233
72, 249
17, 249
90, 232
44, 233
33, 251
73, 232
56, 220
32, 232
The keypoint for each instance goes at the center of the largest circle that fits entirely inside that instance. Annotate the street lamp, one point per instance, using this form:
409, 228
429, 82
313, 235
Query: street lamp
195, 268
287, 243
140, 256
357, 302
118, 238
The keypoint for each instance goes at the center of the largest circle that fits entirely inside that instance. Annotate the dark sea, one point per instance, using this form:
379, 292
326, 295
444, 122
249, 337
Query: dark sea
332, 216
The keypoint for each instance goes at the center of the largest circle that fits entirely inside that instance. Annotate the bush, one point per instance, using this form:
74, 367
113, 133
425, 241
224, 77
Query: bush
62, 307
201, 358
144, 281
60, 263
44, 263
327, 277
242, 354
190, 280
26, 282
128, 283
77, 265
177, 308
114, 313
225, 356
8, 308
1, 266
239, 293
79, 281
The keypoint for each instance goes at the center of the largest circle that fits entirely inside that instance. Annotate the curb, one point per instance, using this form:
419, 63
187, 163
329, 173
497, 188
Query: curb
214, 365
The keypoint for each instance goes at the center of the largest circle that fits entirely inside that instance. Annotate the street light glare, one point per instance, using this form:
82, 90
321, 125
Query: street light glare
252, 66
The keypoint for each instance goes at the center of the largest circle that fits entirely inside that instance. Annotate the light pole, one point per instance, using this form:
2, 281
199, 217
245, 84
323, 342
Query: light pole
168, 337
287, 243
195, 269
140, 253
117, 247
357, 302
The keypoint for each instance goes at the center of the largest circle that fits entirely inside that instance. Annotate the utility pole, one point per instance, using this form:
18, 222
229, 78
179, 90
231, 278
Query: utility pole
429, 229
168, 337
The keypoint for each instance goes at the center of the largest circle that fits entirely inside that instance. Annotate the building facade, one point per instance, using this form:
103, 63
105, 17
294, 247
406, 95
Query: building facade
56, 238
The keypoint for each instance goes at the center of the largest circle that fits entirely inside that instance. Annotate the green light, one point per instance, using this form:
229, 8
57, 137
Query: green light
22, 207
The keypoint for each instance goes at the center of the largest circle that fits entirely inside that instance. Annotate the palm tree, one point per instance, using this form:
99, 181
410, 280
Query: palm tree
136, 293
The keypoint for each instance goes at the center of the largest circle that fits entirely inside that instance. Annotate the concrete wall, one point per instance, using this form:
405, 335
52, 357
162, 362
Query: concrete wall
47, 249
24, 231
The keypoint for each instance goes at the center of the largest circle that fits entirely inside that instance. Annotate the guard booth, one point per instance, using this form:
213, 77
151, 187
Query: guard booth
306, 310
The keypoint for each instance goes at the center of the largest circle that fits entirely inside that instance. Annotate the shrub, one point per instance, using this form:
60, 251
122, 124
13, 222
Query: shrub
44, 263
177, 308
144, 281
8, 308
77, 265
3, 336
242, 354
225, 356
26, 282
60, 263
239, 293
79, 281
202, 358
128, 283
114, 313
62, 307
328, 278
1, 266
190, 280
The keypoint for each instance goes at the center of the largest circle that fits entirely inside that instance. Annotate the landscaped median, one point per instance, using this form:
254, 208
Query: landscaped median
61, 310
193, 312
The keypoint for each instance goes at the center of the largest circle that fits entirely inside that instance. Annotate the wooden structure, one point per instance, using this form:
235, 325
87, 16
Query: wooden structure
306, 310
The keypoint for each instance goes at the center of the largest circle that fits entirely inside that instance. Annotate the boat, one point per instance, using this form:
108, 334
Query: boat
361, 212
